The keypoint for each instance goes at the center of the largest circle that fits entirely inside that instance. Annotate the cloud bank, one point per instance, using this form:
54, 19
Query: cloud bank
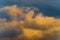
25, 23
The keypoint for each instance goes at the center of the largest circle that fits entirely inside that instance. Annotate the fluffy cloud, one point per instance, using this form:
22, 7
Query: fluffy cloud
25, 21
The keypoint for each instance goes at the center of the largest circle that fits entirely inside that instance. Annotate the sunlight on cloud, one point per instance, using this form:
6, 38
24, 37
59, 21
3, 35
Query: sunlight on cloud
29, 25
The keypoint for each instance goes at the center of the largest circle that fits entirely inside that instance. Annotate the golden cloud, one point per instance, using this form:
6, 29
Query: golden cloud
32, 24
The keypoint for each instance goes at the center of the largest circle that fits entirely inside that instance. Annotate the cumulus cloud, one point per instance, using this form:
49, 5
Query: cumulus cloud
26, 22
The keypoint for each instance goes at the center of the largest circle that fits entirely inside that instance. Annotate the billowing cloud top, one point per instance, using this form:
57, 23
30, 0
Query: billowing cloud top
22, 18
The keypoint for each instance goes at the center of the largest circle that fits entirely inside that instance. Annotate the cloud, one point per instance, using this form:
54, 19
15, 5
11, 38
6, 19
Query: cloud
25, 21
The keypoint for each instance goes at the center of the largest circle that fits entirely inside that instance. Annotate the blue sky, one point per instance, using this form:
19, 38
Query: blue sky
47, 7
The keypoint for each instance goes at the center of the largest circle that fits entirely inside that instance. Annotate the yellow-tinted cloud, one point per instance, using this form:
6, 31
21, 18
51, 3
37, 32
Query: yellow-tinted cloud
31, 23
13, 11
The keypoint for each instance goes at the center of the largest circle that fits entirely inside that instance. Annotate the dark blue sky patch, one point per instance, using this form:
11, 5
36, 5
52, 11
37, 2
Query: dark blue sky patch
47, 7
6, 16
